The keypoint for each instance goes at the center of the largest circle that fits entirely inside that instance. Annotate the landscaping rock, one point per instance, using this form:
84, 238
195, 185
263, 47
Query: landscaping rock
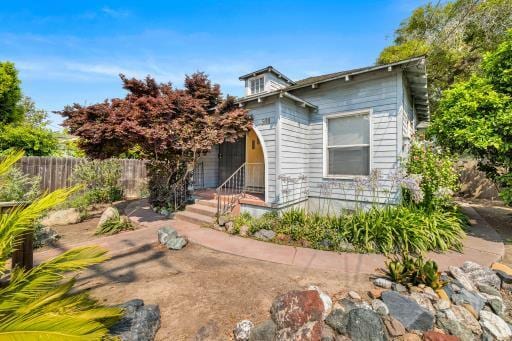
328, 334
109, 213
311, 331
436, 336
242, 330
346, 247
326, 300
472, 298
465, 318
139, 323
265, 234
394, 327
494, 325
375, 293
166, 233
265, 331
177, 243
244, 231
490, 290
380, 307
430, 293
348, 304
423, 301
410, 337
447, 321
223, 220
399, 287
354, 295
62, 217
503, 271
479, 274
383, 283
45, 236
442, 295
364, 324
296, 308
495, 302
337, 320
407, 311
462, 278
442, 305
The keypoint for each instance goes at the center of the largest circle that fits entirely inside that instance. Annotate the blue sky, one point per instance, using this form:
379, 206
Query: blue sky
73, 51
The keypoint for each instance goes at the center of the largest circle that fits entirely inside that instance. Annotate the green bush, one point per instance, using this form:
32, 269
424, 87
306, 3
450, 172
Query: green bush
100, 179
17, 186
114, 225
384, 230
406, 270
436, 170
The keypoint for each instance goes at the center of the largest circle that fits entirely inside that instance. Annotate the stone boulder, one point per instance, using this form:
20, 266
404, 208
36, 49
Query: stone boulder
169, 237
407, 311
139, 323
297, 308
62, 217
244, 231
462, 278
242, 330
326, 300
479, 274
265, 331
310, 331
447, 321
364, 324
436, 336
474, 299
494, 325
109, 213
45, 236
265, 235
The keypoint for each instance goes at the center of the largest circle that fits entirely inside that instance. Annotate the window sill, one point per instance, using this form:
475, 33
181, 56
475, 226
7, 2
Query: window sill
343, 177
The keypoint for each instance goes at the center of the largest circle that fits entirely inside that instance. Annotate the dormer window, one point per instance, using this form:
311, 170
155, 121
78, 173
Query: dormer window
257, 85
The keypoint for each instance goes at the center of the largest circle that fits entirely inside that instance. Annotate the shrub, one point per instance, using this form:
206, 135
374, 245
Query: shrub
17, 186
100, 179
436, 170
406, 269
114, 225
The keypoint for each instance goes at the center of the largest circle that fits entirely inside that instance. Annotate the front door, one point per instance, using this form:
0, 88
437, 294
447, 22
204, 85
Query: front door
231, 157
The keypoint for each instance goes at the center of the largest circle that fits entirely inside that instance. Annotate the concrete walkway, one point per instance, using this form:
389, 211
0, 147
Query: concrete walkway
482, 245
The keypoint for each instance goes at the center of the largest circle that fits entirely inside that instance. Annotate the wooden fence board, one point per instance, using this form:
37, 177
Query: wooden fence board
57, 172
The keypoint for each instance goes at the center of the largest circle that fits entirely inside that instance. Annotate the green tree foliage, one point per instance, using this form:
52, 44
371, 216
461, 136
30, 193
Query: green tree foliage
475, 116
22, 125
40, 303
10, 94
454, 35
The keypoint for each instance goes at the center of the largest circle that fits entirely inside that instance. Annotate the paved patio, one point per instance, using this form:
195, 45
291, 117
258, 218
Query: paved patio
482, 245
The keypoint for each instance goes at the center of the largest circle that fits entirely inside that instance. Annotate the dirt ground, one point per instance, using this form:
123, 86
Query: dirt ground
205, 292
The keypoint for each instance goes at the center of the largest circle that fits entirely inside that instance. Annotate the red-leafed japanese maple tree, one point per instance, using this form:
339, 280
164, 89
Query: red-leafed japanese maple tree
171, 127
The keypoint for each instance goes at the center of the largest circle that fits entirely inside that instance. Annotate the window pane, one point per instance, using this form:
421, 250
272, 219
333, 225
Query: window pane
348, 130
349, 161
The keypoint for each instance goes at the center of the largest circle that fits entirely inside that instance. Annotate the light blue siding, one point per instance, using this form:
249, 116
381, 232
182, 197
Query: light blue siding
210, 163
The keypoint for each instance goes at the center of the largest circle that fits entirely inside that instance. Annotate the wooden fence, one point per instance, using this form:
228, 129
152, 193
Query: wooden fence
56, 172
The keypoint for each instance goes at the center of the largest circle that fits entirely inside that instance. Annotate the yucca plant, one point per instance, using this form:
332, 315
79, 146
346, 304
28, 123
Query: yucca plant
39, 304
114, 224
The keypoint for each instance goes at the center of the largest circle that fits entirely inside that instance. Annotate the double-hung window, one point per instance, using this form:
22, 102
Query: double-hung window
347, 144
257, 85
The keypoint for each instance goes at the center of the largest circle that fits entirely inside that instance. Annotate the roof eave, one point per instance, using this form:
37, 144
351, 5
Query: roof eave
279, 93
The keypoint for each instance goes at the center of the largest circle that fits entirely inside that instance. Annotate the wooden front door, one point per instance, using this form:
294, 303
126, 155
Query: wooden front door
231, 157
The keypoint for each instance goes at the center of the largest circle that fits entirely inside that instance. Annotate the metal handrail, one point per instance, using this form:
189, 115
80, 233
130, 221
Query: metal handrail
179, 191
230, 191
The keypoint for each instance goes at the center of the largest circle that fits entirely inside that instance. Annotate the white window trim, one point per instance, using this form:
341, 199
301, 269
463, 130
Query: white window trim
254, 79
325, 153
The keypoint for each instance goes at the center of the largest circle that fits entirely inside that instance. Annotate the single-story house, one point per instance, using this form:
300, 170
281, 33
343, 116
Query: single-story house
312, 138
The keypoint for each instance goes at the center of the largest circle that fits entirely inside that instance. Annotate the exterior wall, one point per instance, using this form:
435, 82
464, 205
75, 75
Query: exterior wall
211, 167
408, 118
265, 119
376, 92
272, 82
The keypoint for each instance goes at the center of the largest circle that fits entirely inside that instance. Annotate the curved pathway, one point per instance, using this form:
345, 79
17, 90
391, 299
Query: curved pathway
482, 244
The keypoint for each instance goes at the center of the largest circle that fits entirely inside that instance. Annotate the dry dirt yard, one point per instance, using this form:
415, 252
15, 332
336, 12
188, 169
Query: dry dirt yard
203, 293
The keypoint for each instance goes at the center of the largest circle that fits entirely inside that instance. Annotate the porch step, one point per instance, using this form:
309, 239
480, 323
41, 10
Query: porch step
209, 203
195, 218
200, 208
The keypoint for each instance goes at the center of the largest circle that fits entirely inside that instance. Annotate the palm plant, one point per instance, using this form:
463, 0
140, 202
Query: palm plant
39, 303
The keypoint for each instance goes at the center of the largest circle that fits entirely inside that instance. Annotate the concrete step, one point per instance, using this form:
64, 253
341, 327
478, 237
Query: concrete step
208, 211
209, 203
195, 218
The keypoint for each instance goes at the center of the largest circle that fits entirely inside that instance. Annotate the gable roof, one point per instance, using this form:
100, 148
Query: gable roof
269, 68
415, 78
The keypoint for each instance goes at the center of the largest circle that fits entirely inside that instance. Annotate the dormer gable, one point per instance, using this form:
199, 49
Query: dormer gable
264, 80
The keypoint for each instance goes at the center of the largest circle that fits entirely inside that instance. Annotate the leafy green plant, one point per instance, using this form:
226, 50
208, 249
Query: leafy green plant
409, 270
40, 303
114, 224
19, 187
100, 179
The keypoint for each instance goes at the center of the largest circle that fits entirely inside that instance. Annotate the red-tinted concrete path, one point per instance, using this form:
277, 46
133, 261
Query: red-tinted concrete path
482, 245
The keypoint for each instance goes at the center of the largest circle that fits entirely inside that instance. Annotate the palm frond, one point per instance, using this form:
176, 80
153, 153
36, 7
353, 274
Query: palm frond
21, 219
31, 283
9, 158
